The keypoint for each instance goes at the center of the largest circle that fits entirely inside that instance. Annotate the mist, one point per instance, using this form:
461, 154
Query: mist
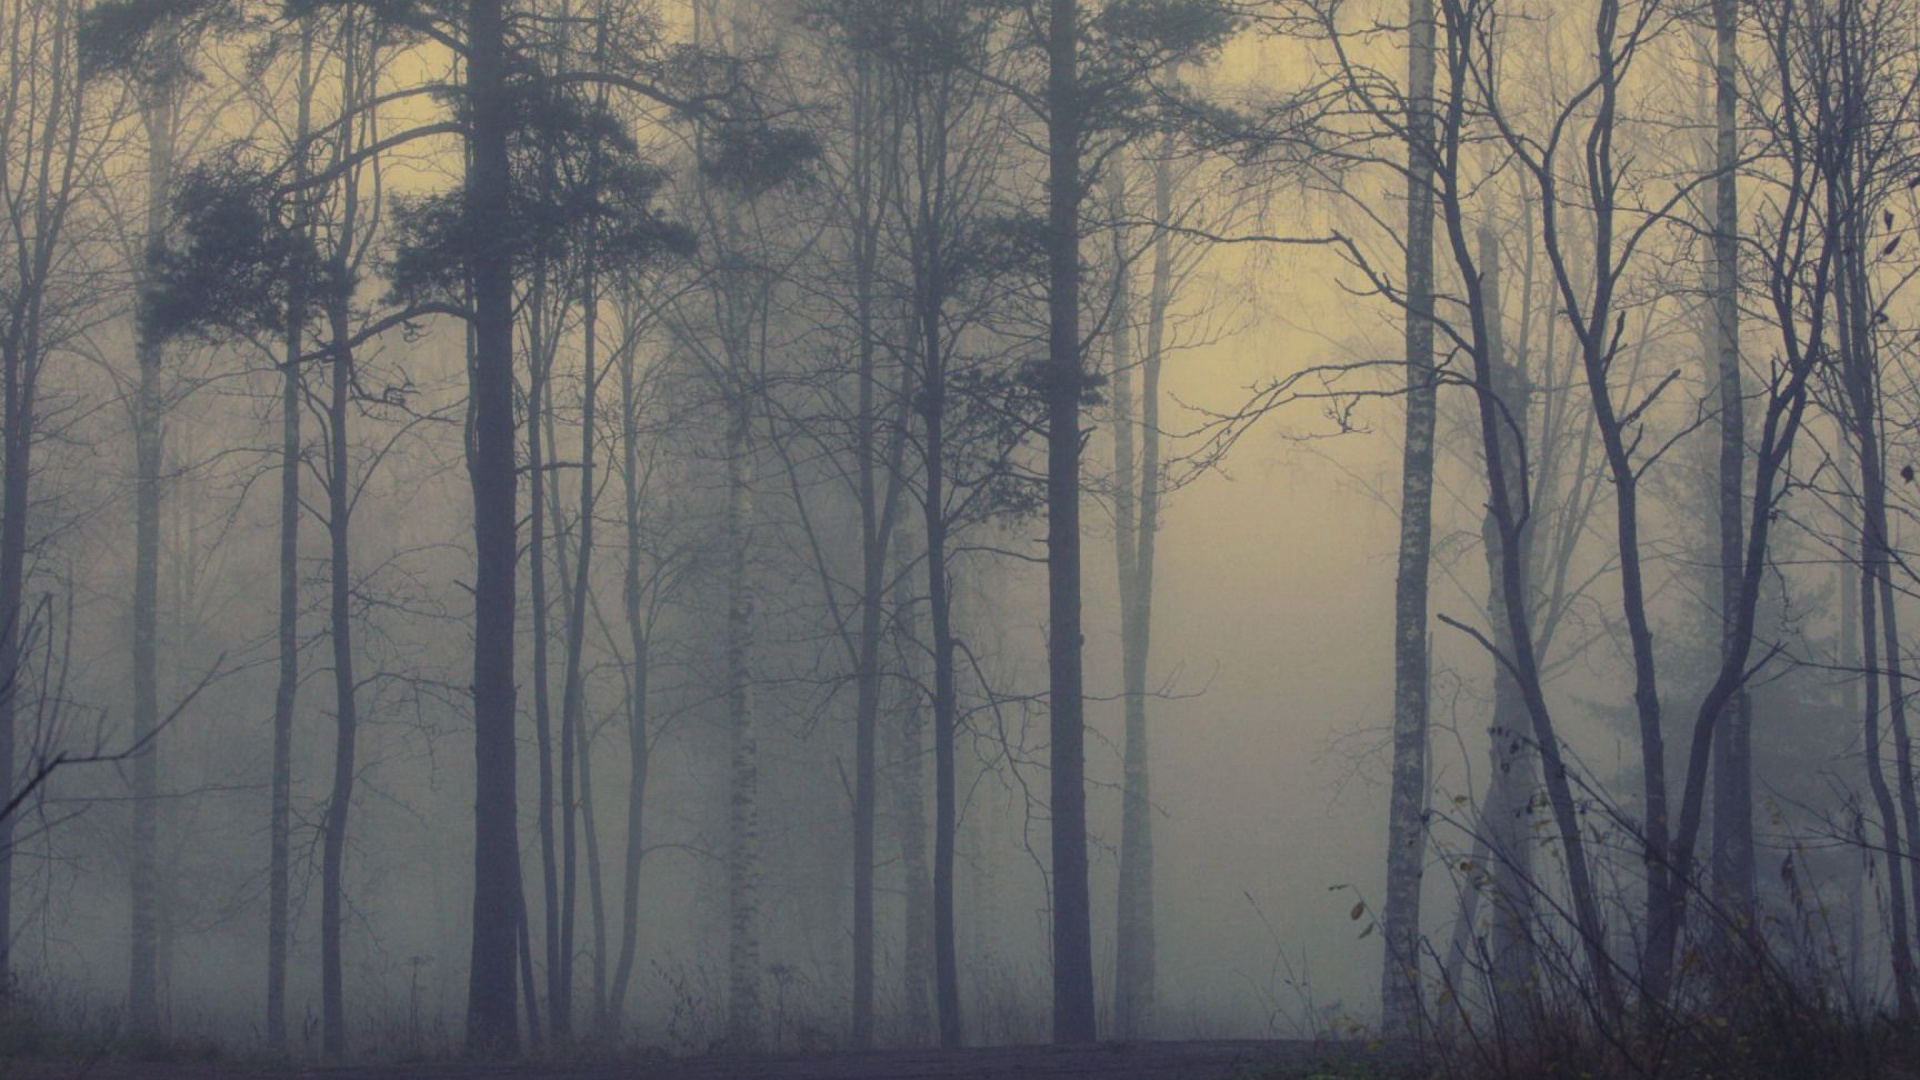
642, 530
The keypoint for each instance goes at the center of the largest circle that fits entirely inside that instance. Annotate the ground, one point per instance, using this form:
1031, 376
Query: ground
1269, 1060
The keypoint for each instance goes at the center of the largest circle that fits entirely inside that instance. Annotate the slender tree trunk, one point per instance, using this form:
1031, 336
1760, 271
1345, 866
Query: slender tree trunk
14, 508
539, 373
1732, 856
946, 965
743, 808
910, 817
932, 399
340, 573
287, 687
1896, 876
875, 528
1508, 814
596, 882
143, 987
1136, 504
530, 999
40, 178
573, 690
1406, 831
634, 608
340, 624
1073, 1013
491, 1025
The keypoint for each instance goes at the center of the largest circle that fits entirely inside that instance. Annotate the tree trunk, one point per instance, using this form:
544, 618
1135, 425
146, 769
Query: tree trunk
910, 817
491, 1025
596, 883
1732, 857
1073, 1013
743, 806
876, 524
1892, 852
573, 690
340, 623
932, 400
1136, 510
1400, 1008
143, 986
946, 965
287, 686
539, 372
635, 611
1508, 814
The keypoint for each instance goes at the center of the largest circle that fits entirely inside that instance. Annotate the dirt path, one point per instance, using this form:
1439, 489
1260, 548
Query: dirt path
1273, 1060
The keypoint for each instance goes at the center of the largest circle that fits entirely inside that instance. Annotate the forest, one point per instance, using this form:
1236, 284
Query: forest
743, 531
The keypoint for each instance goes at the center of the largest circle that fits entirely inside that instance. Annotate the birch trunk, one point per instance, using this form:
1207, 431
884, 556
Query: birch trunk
1400, 1007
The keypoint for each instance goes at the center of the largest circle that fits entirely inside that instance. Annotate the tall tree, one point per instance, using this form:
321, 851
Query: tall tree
488, 200
159, 97
1073, 1011
1406, 829
49, 155
287, 637
1732, 856
1137, 485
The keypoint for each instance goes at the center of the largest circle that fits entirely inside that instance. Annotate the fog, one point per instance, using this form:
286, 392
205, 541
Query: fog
495, 522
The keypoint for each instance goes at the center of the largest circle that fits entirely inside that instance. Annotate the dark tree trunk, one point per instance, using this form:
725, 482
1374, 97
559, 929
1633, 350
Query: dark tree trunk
910, 817
491, 1025
743, 804
876, 525
573, 690
1073, 1012
287, 686
946, 964
340, 625
1732, 857
539, 373
634, 608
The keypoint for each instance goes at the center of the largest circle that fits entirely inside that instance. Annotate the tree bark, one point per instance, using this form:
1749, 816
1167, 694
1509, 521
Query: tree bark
1732, 856
910, 817
1136, 506
539, 374
876, 525
1508, 814
573, 688
346, 717
287, 685
43, 91
143, 987
492, 1028
1073, 1012
1400, 1007
634, 609
743, 805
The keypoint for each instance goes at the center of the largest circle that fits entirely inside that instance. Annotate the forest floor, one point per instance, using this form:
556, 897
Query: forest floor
1240, 1060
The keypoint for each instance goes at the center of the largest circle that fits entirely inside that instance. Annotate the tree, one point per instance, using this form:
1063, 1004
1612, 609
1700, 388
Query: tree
1072, 929
51, 154
1733, 775
1406, 827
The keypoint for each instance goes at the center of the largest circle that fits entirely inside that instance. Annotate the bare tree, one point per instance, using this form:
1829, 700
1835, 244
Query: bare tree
1406, 829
